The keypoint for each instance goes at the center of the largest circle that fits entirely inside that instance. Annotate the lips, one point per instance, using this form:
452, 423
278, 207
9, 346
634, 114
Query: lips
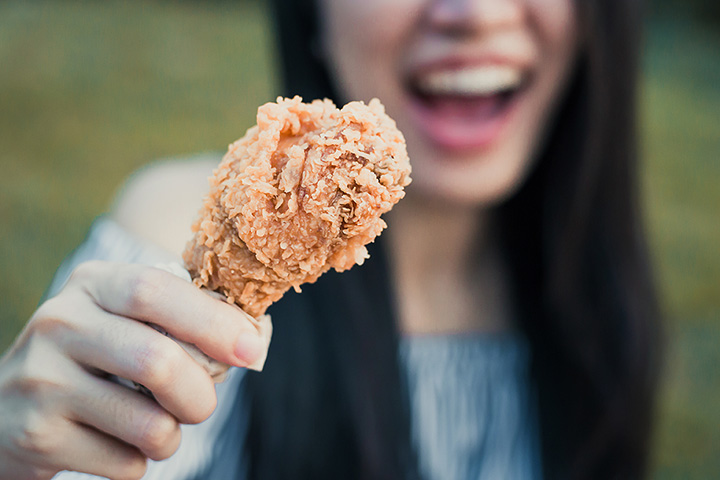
465, 107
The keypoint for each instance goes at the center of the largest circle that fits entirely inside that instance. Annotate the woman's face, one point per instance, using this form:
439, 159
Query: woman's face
471, 83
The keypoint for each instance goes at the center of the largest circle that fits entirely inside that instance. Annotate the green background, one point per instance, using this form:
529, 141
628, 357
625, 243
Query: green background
90, 91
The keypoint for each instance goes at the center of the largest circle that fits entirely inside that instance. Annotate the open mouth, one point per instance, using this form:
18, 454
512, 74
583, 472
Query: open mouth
463, 108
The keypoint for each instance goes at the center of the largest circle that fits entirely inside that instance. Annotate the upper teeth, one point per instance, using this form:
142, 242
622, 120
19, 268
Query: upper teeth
484, 80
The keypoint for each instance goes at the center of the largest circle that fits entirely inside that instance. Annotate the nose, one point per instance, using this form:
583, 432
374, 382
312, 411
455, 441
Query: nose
463, 16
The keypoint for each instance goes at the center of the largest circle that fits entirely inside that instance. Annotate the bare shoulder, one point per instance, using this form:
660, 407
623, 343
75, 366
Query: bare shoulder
159, 202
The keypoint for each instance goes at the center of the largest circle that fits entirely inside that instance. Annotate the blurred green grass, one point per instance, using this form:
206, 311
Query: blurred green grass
91, 90
681, 143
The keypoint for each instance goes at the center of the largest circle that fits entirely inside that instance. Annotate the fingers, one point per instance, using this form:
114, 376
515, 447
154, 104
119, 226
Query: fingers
96, 453
38, 439
133, 350
223, 331
84, 449
58, 415
127, 415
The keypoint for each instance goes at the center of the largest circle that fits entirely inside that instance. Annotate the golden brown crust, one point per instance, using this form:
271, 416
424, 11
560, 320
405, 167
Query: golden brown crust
300, 193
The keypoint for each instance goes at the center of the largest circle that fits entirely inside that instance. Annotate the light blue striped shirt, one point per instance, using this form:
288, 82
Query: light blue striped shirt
473, 414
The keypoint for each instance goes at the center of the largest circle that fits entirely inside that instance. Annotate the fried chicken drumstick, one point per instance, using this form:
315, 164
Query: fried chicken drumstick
300, 193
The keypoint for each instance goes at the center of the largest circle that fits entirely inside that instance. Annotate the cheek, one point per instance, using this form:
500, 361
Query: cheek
364, 40
555, 23
369, 22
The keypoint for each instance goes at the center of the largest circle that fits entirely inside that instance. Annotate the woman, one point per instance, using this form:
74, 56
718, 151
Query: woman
505, 327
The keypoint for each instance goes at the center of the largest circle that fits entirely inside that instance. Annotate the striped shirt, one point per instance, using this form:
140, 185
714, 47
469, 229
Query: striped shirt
473, 414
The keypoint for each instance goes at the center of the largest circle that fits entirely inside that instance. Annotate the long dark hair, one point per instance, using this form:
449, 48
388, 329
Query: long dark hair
331, 404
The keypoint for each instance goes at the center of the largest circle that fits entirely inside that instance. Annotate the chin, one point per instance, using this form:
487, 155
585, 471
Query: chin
483, 192
480, 178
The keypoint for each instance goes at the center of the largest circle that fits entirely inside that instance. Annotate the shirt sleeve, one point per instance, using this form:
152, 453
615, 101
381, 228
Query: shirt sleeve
108, 241
212, 449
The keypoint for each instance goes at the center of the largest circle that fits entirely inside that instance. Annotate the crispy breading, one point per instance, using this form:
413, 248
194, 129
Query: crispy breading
300, 193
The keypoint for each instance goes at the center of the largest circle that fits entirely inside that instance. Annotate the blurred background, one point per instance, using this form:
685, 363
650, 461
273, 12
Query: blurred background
92, 90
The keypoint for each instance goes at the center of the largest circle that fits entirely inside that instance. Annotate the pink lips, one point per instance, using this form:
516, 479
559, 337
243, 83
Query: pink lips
460, 123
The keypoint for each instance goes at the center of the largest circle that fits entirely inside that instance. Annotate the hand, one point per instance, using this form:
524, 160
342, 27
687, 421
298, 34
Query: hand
59, 412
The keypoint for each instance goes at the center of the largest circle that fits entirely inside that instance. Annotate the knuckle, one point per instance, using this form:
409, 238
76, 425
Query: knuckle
207, 405
157, 362
145, 287
49, 308
35, 379
37, 472
31, 385
133, 468
49, 321
158, 438
85, 271
51, 317
37, 437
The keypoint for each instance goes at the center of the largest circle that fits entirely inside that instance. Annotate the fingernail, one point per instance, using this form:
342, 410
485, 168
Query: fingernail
249, 347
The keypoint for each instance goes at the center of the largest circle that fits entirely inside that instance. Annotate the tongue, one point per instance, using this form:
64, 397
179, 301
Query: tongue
461, 122
464, 108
